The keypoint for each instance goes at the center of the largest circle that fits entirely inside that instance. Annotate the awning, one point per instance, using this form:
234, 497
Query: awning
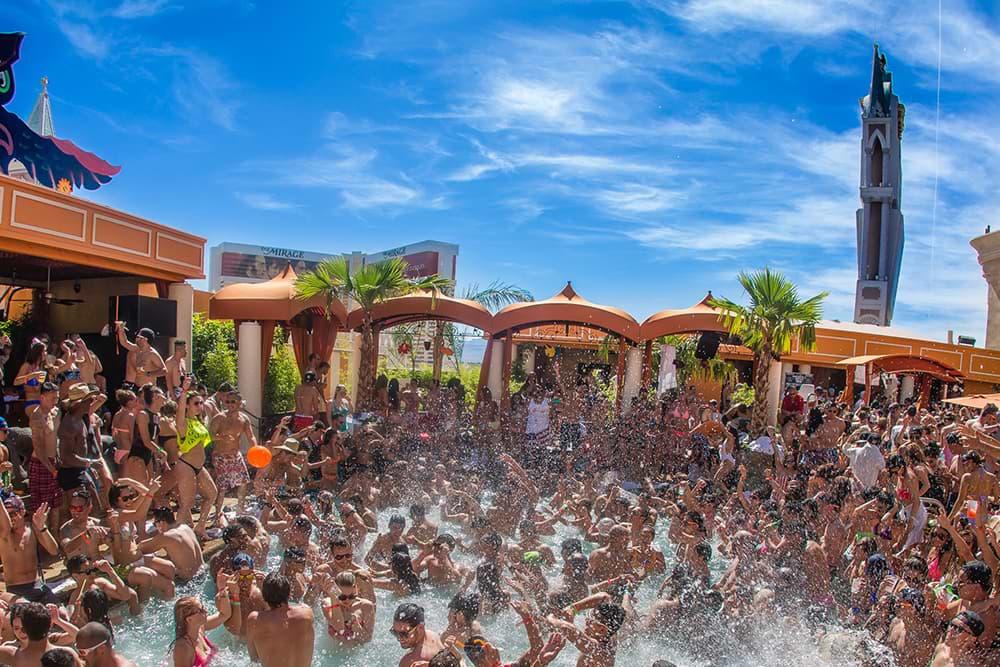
906, 364
977, 401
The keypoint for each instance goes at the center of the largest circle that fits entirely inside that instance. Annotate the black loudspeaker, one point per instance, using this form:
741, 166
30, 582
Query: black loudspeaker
708, 345
139, 312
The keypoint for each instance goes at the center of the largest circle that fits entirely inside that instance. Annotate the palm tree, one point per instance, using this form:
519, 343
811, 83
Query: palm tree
368, 286
774, 318
493, 297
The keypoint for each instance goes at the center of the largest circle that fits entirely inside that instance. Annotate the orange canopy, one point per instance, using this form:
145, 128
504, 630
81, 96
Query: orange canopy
567, 307
699, 317
273, 300
906, 364
978, 401
425, 305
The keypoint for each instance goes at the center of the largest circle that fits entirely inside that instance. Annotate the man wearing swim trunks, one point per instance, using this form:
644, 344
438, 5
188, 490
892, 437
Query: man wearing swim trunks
19, 542
309, 402
42, 466
73, 471
230, 470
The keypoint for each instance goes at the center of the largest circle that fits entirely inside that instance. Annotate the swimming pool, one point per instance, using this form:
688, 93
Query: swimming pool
146, 638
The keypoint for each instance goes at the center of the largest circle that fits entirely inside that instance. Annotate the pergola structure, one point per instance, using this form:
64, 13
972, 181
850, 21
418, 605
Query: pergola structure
419, 307
256, 308
924, 368
699, 318
565, 308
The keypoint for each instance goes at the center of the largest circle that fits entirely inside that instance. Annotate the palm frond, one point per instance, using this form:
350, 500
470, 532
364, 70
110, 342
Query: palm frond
496, 295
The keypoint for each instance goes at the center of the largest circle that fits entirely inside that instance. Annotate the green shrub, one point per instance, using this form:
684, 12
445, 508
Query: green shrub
211, 339
282, 378
217, 366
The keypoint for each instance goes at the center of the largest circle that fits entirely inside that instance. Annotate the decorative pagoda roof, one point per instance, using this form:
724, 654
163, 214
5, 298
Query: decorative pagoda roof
40, 119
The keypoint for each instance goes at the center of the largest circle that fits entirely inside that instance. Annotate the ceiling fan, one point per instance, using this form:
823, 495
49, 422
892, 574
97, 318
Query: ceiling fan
48, 297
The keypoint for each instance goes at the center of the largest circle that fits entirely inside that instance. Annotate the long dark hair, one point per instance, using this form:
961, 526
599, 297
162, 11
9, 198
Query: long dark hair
402, 567
95, 605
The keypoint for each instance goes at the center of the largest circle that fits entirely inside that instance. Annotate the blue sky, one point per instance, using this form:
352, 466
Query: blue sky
646, 150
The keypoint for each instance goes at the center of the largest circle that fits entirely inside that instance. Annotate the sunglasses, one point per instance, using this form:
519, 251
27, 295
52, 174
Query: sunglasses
84, 652
128, 498
344, 598
959, 628
399, 634
77, 508
342, 556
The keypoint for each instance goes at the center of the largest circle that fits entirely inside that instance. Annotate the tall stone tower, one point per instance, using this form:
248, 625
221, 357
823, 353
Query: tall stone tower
879, 220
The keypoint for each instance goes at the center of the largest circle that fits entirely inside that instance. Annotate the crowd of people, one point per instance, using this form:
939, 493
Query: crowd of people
872, 528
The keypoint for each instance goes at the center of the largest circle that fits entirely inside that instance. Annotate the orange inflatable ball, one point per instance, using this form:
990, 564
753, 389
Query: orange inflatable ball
259, 457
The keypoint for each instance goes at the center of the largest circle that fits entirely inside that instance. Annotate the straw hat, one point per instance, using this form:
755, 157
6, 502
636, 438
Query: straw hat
290, 445
78, 392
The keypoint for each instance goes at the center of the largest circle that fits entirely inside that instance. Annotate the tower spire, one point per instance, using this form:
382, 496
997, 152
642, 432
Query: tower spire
40, 119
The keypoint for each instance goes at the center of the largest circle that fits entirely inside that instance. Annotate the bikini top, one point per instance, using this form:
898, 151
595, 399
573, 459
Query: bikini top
196, 434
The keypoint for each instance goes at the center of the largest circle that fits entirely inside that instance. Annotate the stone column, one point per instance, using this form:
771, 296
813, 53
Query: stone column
633, 373
988, 248
183, 294
248, 367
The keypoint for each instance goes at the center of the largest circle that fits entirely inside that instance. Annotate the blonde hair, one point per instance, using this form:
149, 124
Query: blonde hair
185, 607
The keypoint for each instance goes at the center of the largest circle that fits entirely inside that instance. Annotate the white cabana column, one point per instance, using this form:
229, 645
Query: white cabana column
183, 294
776, 378
354, 367
495, 379
633, 376
248, 367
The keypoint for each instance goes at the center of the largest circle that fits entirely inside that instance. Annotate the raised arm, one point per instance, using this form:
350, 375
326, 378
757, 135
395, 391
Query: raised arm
123, 339
39, 521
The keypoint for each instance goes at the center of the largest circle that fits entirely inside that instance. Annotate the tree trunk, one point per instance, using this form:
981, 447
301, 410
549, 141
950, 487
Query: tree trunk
761, 381
438, 353
366, 374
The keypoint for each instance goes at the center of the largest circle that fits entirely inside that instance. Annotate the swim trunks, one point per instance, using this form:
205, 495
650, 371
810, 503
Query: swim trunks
230, 471
43, 486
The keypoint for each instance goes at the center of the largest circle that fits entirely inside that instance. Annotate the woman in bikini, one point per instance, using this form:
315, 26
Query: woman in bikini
123, 425
31, 375
191, 647
350, 618
192, 438
66, 371
145, 443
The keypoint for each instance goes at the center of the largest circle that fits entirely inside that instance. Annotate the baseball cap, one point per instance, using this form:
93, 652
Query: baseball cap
3, 424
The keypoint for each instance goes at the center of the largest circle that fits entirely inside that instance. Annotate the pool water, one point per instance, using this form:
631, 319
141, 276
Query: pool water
146, 639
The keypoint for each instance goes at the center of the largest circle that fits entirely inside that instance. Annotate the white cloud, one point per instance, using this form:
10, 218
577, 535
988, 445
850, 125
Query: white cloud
134, 9
814, 17
85, 39
201, 85
264, 201
634, 198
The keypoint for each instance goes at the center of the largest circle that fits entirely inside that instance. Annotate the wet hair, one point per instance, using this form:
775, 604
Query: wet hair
397, 520
49, 387
467, 604
916, 563
611, 615
232, 532
704, 550
275, 589
402, 567
185, 607
409, 613
164, 514
980, 573
35, 353
340, 541
445, 538
488, 579
578, 565
292, 554
973, 621
58, 657
418, 510
75, 563
301, 523
345, 578
96, 607
248, 523
493, 540
35, 621
148, 393
82, 494
570, 545
445, 658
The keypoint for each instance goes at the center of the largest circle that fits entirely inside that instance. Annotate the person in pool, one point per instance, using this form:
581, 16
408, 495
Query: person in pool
283, 634
34, 622
178, 540
350, 618
96, 647
191, 648
409, 630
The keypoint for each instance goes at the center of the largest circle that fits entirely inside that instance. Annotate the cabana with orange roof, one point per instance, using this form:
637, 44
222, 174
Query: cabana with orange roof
698, 319
256, 308
566, 309
418, 307
924, 368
